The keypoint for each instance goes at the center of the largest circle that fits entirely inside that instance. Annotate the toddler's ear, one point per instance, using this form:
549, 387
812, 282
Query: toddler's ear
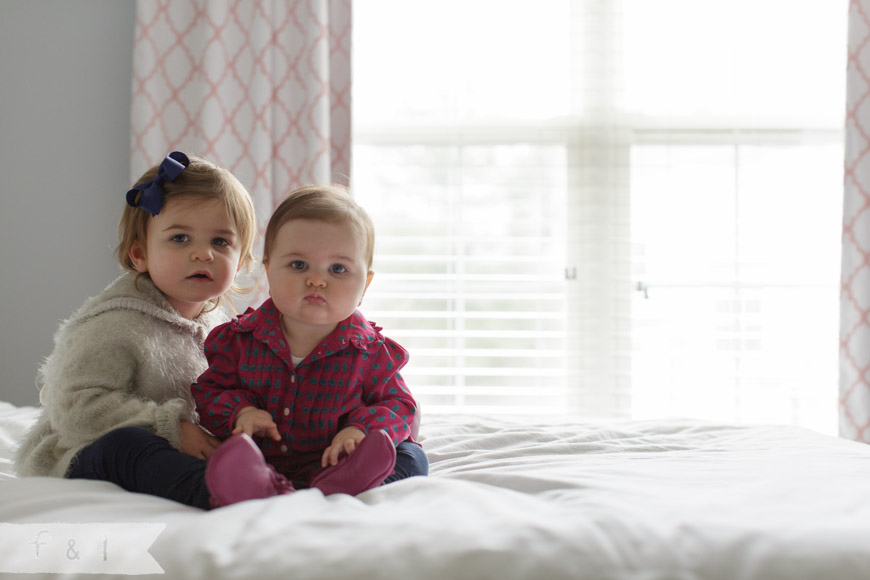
137, 256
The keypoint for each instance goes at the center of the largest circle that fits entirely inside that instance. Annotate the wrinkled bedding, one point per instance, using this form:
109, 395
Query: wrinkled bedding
506, 498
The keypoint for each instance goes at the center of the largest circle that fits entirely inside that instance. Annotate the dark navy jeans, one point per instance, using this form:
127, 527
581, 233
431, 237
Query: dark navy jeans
140, 461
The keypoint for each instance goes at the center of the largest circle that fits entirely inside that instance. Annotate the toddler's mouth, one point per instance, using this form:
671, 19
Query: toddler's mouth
200, 276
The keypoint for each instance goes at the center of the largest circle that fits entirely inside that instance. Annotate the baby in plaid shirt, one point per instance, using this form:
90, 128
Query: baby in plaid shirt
305, 373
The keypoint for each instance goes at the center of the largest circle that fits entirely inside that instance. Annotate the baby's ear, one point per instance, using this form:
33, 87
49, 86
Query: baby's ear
371, 275
137, 256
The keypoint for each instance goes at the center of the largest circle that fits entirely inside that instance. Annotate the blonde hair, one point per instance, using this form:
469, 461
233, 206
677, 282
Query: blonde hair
201, 180
325, 203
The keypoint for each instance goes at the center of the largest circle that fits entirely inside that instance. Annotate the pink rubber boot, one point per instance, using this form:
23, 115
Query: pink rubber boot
237, 471
367, 467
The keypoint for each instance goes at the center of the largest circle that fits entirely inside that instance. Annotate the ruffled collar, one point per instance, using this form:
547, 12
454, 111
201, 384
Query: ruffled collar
264, 323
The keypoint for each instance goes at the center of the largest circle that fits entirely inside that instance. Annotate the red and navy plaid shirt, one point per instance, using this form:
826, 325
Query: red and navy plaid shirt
352, 378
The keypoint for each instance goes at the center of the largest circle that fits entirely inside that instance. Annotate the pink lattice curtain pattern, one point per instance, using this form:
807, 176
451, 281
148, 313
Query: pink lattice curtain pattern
260, 87
855, 288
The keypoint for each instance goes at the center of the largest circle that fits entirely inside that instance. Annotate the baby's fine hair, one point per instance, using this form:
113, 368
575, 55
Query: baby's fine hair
325, 203
201, 180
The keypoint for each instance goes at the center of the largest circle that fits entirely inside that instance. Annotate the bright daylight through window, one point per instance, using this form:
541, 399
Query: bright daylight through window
611, 208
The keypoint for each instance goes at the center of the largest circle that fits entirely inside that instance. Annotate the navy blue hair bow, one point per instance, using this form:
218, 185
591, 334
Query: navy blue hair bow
151, 199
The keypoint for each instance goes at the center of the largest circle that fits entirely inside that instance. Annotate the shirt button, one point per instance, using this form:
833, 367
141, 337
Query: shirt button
292, 378
286, 411
284, 448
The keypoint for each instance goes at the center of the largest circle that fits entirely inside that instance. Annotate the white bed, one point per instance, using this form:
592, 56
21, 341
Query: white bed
505, 499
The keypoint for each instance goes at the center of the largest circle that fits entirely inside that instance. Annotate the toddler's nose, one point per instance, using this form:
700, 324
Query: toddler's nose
202, 254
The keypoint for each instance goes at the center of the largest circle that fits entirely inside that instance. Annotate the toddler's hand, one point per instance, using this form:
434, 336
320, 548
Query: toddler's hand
345, 441
254, 421
194, 440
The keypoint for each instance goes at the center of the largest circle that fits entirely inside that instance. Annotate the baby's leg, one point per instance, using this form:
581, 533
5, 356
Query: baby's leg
140, 461
411, 460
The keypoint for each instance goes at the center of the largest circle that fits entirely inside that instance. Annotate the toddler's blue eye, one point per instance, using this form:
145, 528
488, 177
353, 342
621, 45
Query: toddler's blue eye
337, 269
297, 265
181, 238
220, 242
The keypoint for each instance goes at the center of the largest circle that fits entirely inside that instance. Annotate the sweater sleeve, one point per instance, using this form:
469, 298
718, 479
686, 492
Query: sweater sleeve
388, 404
218, 393
90, 388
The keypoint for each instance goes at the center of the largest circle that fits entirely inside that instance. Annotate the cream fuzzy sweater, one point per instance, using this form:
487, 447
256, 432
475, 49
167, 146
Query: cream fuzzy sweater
125, 358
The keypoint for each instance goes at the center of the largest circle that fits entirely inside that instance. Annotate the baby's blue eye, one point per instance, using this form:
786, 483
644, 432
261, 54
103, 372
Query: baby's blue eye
180, 238
337, 269
297, 265
220, 242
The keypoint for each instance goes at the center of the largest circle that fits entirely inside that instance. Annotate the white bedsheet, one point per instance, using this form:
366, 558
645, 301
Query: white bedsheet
519, 499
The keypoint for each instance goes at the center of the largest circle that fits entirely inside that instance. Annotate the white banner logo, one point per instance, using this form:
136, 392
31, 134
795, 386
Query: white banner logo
78, 548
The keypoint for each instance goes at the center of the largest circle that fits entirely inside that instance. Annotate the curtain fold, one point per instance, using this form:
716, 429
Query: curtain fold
259, 87
855, 273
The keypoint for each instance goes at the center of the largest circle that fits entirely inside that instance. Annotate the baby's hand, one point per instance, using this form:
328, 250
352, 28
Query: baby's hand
345, 441
254, 421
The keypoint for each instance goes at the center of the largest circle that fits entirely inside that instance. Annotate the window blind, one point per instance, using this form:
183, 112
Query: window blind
606, 209
470, 269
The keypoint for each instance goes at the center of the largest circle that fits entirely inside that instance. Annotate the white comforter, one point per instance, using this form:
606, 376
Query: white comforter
508, 499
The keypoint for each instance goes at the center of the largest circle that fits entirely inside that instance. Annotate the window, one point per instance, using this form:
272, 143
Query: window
624, 208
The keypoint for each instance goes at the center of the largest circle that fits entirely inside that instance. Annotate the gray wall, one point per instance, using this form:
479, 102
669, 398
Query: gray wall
65, 79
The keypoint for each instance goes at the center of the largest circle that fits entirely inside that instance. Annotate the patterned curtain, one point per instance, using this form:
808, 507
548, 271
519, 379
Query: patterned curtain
855, 283
259, 87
